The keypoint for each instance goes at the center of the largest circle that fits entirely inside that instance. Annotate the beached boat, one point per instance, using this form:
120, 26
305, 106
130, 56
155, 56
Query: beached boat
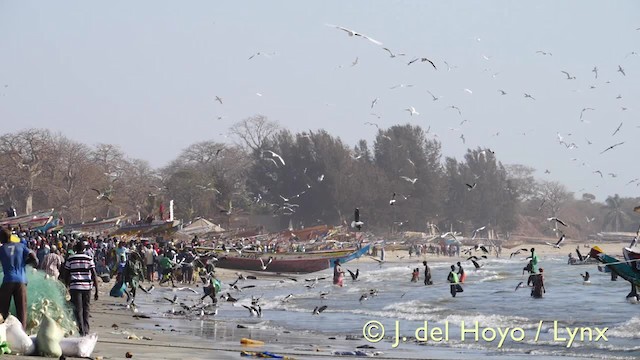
288, 263
34, 220
94, 227
148, 229
628, 269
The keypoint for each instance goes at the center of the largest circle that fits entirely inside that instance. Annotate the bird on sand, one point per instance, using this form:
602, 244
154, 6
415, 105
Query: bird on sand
471, 186
393, 199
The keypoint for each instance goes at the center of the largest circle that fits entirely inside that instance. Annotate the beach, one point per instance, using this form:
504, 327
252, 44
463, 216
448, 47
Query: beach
287, 330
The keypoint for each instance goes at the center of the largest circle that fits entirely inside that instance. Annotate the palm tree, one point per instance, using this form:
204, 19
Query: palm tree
615, 216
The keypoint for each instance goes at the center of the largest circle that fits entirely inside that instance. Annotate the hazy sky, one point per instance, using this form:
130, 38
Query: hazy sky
144, 75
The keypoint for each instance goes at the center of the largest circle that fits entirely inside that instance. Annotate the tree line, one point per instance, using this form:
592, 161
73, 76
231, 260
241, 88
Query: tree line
401, 182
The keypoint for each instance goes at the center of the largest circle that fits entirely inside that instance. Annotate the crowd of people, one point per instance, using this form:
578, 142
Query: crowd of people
79, 261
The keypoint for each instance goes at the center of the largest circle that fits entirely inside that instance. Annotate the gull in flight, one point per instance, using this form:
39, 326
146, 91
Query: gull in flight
319, 309
264, 266
611, 147
475, 232
595, 71
529, 96
374, 102
455, 107
469, 91
218, 99
372, 124
617, 129
355, 62
412, 181
557, 245
502, 92
412, 111
391, 54
433, 96
544, 53
598, 172
471, 186
554, 218
583, 110
569, 77
424, 59
621, 70
355, 33
273, 154
400, 86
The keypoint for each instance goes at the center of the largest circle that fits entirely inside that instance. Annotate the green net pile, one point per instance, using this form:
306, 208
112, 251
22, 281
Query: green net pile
46, 295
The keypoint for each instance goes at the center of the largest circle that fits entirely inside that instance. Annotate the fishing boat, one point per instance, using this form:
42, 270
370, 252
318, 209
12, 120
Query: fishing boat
148, 229
94, 226
289, 262
628, 269
33, 220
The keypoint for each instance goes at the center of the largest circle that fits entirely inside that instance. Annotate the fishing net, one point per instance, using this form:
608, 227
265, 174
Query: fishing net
46, 295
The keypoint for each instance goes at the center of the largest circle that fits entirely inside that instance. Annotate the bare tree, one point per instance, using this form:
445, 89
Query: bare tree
28, 150
254, 131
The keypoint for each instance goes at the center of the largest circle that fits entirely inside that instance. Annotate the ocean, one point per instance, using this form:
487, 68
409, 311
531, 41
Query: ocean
573, 319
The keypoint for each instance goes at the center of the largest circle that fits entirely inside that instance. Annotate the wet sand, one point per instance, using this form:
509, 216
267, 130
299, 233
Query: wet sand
162, 338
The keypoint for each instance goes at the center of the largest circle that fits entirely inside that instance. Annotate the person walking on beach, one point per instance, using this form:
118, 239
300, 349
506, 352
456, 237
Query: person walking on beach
338, 273
14, 258
52, 262
427, 274
453, 281
80, 277
150, 259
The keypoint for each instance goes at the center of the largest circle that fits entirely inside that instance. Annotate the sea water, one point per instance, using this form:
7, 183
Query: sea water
573, 319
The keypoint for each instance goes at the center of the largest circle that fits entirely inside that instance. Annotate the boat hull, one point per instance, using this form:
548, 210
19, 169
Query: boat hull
621, 268
290, 263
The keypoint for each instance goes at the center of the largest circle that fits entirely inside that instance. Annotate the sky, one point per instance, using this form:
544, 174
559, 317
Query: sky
144, 75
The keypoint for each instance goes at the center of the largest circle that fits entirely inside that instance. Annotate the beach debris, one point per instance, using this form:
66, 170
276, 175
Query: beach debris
247, 341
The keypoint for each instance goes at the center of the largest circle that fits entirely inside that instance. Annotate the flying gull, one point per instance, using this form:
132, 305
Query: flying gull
391, 54
557, 245
412, 111
621, 70
412, 181
219, 99
273, 154
611, 147
617, 129
355, 33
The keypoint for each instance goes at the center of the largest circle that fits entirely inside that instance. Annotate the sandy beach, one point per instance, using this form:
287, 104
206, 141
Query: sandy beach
158, 337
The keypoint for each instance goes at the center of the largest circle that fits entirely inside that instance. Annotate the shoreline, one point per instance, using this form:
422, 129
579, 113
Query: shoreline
184, 338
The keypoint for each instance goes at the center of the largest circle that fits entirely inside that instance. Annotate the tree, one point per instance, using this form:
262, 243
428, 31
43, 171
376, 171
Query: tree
28, 150
254, 131
615, 216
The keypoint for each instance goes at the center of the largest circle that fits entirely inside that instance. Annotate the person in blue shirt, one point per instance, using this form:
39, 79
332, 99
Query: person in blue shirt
14, 257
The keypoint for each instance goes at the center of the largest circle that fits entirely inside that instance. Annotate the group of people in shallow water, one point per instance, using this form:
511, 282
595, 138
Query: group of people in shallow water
456, 277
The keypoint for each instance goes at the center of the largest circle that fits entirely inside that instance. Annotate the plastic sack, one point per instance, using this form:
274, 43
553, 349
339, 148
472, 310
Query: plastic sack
49, 336
18, 340
3, 332
79, 346
118, 289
